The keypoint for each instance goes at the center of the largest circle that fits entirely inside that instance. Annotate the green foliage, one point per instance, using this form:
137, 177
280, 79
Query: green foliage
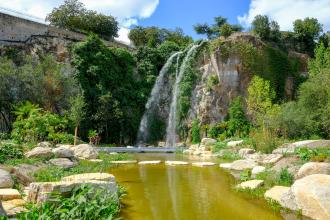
265, 140
285, 178
195, 132
92, 133
316, 154
33, 125
245, 175
220, 145
220, 28
238, 125
77, 112
10, 151
212, 81
306, 32
74, 16
321, 63
154, 37
216, 130
261, 26
230, 156
84, 203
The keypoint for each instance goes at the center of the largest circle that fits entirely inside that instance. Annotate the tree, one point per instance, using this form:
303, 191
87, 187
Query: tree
259, 101
195, 132
321, 62
77, 113
237, 123
72, 15
220, 28
307, 32
261, 26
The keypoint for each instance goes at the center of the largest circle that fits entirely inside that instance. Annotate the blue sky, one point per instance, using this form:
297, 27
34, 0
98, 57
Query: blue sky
186, 13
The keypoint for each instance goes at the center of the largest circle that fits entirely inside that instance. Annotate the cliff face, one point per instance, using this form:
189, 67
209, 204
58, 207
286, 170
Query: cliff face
227, 71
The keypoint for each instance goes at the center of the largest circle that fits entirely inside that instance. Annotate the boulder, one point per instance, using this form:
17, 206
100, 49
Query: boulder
270, 158
151, 162
5, 179
234, 143
67, 146
251, 184
241, 165
311, 195
225, 165
85, 151
40, 152
41, 192
287, 162
175, 163
256, 170
244, 151
14, 207
63, 152
313, 168
207, 141
45, 144
64, 163
9, 194
90, 176
23, 172
290, 148
203, 164
276, 193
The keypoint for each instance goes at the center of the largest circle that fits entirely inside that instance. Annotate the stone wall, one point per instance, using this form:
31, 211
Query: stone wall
19, 31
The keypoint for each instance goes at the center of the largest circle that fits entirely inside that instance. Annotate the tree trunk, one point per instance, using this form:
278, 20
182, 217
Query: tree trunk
75, 135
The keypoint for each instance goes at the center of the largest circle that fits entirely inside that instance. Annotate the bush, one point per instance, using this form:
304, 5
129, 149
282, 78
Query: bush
265, 140
238, 125
218, 129
10, 151
195, 132
319, 154
285, 178
85, 203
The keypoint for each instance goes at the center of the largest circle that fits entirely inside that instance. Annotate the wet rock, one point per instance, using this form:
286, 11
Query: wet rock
14, 207
85, 151
225, 165
311, 195
63, 152
9, 194
175, 163
251, 184
207, 141
64, 163
151, 162
241, 165
276, 193
313, 168
245, 151
234, 143
124, 162
40, 152
203, 164
256, 170
5, 179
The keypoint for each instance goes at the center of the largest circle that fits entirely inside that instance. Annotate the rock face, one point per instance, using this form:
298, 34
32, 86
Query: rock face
9, 194
5, 179
240, 165
41, 192
63, 152
206, 141
40, 152
313, 168
85, 151
276, 192
62, 162
311, 195
251, 184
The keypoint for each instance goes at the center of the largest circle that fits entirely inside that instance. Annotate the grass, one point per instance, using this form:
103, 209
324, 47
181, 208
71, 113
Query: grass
317, 154
14, 162
271, 178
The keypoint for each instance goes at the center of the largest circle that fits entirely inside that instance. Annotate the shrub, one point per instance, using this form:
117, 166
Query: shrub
218, 129
245, 175
85, 203
264, 140
318, 154
10, 151
195, 132
238, 125
285, 178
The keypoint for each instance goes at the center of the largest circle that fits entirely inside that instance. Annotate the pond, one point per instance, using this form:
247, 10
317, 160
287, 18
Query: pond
161, 192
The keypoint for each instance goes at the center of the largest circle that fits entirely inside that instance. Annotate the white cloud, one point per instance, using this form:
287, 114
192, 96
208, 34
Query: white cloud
123, 35
127, 12
285, 12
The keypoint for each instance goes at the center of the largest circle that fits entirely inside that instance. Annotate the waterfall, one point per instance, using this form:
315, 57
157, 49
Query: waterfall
171, 136
153, 101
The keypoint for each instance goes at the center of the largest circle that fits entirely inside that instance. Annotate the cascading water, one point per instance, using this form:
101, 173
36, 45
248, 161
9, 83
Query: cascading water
153, 101
171, 136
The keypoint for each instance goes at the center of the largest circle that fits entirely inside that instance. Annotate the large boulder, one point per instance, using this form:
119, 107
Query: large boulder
5, 179
14, 207
313, 168
40, 152
241, 165
41, 192
24, 172
207, 141
287, 162
9, 194
276, 193
85, 151
256, 170
311, 195
64, 163
63, 152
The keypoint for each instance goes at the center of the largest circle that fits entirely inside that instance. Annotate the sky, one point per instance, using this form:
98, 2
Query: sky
185, 13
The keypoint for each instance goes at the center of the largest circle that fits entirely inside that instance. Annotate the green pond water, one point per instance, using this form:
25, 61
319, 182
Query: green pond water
161, 192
